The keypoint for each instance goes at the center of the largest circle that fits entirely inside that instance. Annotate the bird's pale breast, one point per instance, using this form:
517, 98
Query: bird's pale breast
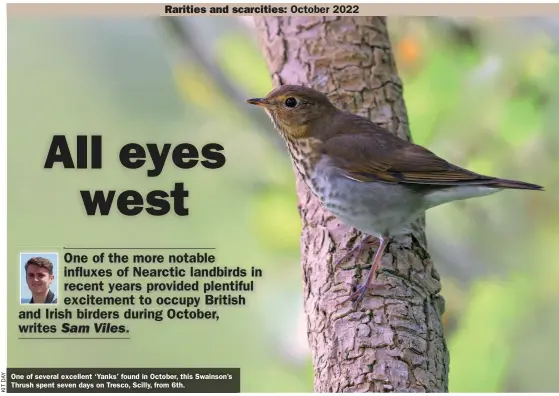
374, 208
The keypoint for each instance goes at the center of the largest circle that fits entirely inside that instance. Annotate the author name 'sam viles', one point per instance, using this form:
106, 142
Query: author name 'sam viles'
100, 328
105, 327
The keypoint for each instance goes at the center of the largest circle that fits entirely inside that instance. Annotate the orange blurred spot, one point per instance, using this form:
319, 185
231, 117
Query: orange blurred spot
409, 50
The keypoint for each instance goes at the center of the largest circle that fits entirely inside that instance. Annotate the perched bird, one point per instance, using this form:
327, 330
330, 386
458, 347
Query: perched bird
369, 178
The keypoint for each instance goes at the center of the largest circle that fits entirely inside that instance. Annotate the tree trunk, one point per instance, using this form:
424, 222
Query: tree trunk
393, 341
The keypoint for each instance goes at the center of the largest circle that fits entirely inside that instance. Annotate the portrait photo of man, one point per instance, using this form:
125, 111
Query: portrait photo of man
38, 284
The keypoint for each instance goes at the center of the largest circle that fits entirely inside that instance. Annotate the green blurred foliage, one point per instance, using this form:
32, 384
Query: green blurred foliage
481, 359
276, 223
489, 107
243, 62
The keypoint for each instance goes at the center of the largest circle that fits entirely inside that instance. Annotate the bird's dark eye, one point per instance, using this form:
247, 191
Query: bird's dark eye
291, 102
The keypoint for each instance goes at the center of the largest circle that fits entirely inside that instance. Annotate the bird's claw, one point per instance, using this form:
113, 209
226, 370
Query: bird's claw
355, 249
346, 256
357, 296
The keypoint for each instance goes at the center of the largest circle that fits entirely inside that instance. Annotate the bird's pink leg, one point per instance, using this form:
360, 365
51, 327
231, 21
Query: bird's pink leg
358, 248
362, 290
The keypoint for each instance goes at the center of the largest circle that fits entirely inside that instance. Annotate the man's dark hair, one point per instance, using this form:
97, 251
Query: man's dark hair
39, 262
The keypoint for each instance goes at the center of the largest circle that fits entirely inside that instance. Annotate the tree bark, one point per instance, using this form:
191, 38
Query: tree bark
393, 341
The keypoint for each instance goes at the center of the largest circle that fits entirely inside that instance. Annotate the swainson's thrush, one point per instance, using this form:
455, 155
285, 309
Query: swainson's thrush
369, 178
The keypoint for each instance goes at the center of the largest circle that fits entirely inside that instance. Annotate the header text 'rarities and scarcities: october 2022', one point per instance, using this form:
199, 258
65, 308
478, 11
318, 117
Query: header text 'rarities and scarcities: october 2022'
227, 9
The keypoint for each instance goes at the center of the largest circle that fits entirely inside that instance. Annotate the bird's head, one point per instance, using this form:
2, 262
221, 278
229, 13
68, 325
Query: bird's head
297, 112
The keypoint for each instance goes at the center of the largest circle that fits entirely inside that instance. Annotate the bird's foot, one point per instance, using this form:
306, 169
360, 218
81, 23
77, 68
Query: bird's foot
358, 295
356, 249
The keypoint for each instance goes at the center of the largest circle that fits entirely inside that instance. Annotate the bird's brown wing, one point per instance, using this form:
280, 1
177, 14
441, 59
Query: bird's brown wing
371, 154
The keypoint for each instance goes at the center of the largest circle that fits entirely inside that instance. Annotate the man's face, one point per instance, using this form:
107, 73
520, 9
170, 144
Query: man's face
38, 279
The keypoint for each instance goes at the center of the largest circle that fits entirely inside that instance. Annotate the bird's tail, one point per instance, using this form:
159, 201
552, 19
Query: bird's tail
513, 184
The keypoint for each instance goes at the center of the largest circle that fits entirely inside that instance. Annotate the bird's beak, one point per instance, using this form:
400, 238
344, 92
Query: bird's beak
257, 101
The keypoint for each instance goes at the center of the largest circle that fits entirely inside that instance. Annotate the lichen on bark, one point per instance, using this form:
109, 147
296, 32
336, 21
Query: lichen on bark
393, 341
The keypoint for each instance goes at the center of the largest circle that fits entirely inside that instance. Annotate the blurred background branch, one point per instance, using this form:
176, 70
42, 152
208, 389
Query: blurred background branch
181, 31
